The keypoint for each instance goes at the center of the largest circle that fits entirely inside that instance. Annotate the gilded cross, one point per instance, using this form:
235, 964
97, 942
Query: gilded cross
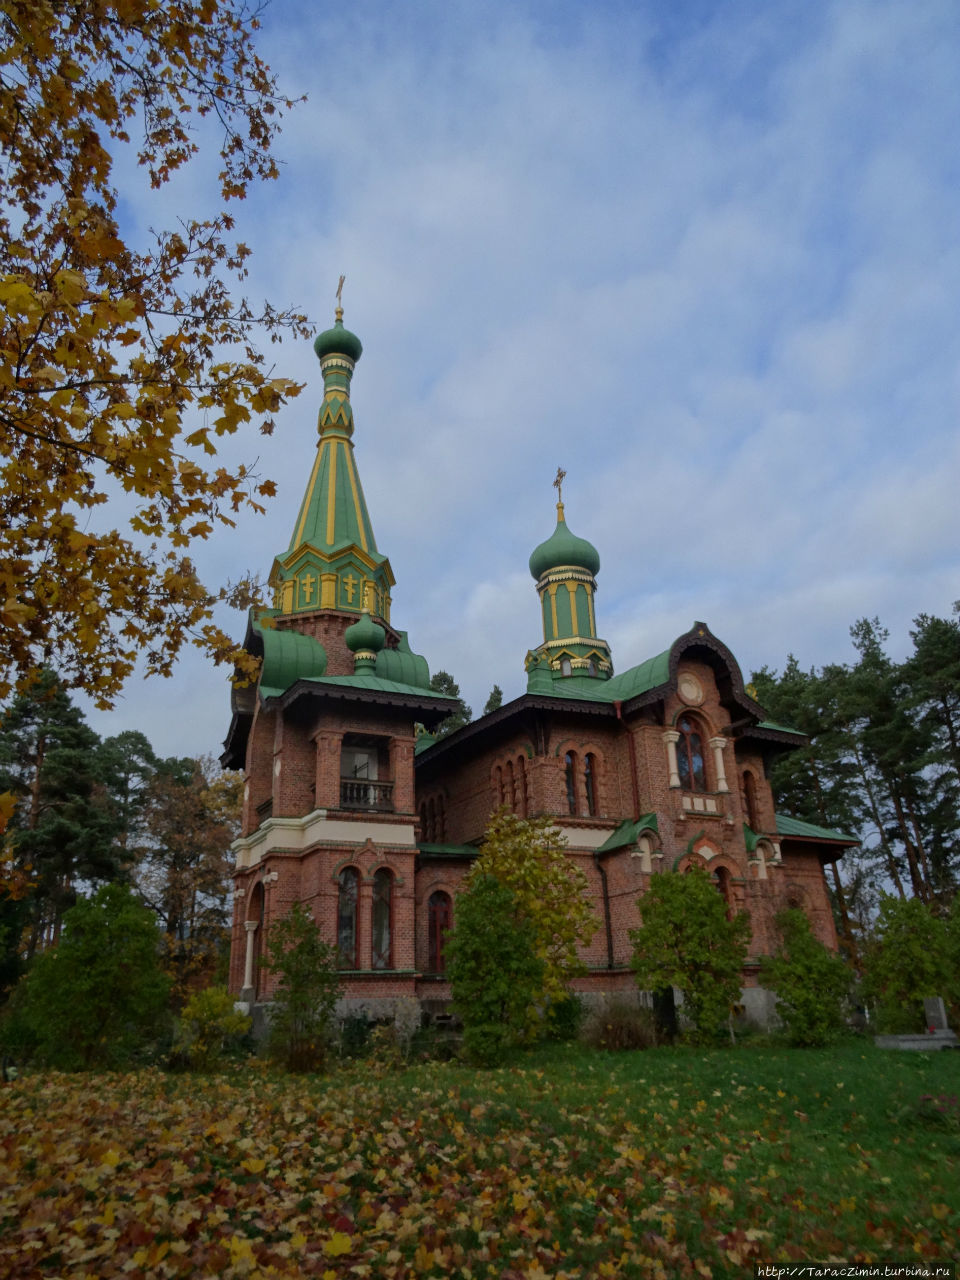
558, 483
306, 582
350, 582
340, 291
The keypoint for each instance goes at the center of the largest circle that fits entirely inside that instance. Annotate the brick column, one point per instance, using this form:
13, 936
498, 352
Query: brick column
327, 792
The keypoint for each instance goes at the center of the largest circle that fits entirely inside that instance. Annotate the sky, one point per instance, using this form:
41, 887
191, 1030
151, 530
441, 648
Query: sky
704, 256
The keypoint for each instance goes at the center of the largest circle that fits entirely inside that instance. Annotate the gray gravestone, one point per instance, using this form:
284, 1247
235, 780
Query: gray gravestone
935, 1013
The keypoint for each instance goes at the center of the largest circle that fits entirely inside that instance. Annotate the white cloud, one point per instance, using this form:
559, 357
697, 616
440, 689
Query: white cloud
709, 267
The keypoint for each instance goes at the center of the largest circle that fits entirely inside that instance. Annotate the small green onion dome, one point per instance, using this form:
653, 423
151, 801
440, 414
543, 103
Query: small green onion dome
563, 548
365, 635
338, 341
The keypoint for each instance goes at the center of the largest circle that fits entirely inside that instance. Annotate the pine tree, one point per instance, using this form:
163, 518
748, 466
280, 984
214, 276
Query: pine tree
64, 828
443, 682
495, 701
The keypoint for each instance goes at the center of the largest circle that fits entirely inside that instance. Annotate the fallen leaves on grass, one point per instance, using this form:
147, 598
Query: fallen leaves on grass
514, 1174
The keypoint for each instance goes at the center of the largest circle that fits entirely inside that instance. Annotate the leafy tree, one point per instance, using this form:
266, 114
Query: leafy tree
686, 940
443, 682
63, 833
496, 975
191, 817
811, 981
307, 991
123, 364
98, 998
495, 700
908, 958
529, 856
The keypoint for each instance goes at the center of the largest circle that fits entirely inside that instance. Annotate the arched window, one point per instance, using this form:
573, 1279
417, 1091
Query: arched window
750, 801
348, 893
590, 778
431, 820
690, 766
381, 919
521, 787
721, 878
441, 819
566, 667
511, 787
498, 776
570, 763
440, 918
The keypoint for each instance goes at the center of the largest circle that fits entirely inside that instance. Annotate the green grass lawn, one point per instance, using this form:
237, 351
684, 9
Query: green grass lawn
570, 1163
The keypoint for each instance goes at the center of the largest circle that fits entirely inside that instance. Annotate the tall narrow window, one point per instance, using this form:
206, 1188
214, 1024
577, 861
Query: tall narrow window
721, 878
690, 765
440, 918
521, 787
590, 778
498, 775
381, 919
511, 787
441, 819
349, 892
570, 764
431, 820
750, 801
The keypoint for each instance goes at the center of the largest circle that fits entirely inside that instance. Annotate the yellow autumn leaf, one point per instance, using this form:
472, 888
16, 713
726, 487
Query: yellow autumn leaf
338, 1244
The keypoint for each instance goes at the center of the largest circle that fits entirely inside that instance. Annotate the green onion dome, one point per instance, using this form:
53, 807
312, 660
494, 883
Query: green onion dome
338, 341
563, 548
365, 635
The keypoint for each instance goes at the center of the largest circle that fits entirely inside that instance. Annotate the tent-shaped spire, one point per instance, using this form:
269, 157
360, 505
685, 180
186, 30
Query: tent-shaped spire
332, 561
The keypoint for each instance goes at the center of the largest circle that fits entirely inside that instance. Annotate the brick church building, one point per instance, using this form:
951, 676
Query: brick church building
352, 807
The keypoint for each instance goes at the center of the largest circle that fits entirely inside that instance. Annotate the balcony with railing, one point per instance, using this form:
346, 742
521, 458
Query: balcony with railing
366, 794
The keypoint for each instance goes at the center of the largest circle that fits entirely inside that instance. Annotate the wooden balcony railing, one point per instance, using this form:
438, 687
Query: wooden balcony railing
360, 793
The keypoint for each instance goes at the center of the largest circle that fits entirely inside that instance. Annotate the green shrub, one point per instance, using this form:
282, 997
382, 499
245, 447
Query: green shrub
565, 1018
208, 1029
354, 1038
99, 998
621, 1025
687, 941
907, 958
812, 983
302, 1008
495, 973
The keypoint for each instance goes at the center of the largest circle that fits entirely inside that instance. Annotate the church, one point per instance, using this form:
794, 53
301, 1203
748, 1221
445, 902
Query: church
353, 807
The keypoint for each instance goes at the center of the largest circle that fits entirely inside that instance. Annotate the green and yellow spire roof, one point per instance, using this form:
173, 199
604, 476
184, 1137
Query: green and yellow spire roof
565, 569
332, 561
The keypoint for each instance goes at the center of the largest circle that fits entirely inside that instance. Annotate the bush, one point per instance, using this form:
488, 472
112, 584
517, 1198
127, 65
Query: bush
208, 1029
907, 958
302, 1008
687, 941
495, 973
98, 999
621, 1025
812, 983
565, 1018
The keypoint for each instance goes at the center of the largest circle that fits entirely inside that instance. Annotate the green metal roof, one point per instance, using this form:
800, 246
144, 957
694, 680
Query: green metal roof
288, 656
448, 851
629, 832
780, 728
628, 684
787, 826
372, 683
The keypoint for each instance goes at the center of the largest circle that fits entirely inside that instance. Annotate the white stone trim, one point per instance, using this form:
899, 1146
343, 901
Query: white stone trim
293, 835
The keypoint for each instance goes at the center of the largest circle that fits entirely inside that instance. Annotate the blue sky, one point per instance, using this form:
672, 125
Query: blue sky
703, 256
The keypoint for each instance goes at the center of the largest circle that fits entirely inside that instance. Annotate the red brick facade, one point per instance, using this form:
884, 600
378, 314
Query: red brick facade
336, 794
